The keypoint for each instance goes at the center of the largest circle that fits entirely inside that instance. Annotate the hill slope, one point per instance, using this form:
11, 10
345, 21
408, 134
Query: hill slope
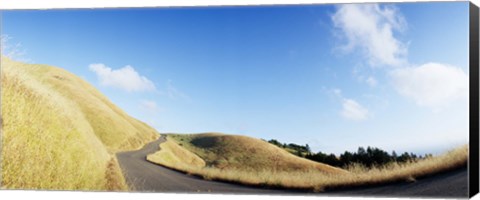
241, 159
255, 162
59, 132
245, 153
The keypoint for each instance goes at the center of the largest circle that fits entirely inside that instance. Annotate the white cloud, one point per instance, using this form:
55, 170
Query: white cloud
125, 78
431, 85
337, 92
371, 81
13, 51
370, 27
149, 105
352, 110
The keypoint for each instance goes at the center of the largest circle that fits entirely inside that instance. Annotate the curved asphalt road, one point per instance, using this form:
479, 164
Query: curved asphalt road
146, 176
453, 184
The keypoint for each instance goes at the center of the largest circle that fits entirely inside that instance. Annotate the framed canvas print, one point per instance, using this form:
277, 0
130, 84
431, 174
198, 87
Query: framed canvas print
348, 99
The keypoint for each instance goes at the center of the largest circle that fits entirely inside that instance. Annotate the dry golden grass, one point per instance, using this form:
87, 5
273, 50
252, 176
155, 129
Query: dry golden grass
315, 179
245, 153
60, 133
114, 177
174, 155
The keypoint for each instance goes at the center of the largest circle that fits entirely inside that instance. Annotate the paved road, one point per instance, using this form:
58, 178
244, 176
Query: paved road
453, 184
149, 177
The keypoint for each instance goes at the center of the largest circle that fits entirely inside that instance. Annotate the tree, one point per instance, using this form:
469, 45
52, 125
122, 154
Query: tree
332, 160
275, 142
346, 159
369, 157
405, 157
394, 156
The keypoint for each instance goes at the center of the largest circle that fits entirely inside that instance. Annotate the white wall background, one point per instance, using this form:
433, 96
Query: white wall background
42, 4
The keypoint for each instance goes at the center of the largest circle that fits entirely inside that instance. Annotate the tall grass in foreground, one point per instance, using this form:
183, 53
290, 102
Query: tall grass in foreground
42, 146
49, 135
319, 181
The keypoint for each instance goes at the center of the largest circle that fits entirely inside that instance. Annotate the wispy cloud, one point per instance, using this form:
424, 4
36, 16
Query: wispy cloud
14, 51
149, 106
174, 93
370, 28
126, 78
371, 81
351, 109
151, 113
432, 85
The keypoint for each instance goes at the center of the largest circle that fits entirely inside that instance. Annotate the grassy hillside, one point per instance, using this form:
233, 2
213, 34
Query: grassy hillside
175, 155
255, 162
245, 153
60, 133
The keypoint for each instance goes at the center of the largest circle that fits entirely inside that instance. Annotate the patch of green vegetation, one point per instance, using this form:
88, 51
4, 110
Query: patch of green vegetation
369, 157
244, 153
227, 157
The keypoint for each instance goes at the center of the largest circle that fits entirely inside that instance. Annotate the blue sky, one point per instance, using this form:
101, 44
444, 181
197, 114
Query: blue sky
394, 76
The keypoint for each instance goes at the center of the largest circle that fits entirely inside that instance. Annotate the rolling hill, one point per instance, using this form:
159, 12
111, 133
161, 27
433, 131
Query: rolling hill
240, 159
60, 133
239, 152
250, 161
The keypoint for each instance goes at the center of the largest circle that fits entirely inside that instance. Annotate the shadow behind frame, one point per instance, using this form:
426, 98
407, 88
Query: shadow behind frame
473, 163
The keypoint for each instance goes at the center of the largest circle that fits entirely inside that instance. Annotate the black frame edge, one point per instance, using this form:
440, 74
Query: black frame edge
473, 163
